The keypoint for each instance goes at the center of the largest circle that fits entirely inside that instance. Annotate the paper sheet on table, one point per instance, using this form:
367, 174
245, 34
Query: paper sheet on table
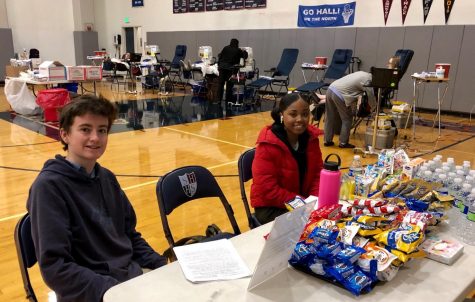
210, 261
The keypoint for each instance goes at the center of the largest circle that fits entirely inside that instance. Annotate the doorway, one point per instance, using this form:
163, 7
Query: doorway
133, 39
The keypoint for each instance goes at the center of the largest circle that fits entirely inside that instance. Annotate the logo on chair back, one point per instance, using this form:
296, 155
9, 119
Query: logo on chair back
188, 183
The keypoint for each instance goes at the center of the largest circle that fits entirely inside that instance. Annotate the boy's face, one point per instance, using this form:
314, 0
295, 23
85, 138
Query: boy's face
86, 139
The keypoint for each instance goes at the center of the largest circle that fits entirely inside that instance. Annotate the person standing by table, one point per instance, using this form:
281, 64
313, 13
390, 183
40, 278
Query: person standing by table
228, 58
340, 105
83, 225
287, 161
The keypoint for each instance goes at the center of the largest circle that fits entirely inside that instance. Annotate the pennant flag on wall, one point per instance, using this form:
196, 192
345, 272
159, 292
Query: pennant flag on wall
386, 8
426, 8
404, 9
448, 5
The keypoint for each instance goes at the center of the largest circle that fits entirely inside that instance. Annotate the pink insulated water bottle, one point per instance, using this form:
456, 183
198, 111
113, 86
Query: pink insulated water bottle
329, 192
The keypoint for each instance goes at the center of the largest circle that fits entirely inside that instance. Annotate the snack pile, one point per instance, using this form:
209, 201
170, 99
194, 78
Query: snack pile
379, 228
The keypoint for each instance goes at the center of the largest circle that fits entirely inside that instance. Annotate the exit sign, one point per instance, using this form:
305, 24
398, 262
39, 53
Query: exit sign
136, 3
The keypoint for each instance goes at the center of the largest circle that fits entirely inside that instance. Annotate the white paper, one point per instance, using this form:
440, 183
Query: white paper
280, 243
210, 261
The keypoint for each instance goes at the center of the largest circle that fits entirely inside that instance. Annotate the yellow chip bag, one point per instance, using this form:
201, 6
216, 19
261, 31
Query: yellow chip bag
405, 239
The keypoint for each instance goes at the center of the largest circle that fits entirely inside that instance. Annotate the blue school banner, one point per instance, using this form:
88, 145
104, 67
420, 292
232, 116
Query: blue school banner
327, 15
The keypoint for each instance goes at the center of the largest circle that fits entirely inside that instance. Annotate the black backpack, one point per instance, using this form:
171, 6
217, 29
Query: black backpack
364, 109
211, 230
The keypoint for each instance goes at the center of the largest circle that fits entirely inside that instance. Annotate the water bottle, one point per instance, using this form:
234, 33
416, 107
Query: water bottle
467, 233
470, 180
329, 182
437, 160
455, 189
446, 169
472, 173
451, 163
464, 200
443, 181
466, 167
427, 176
356, 168
431, 165
460, 173
421, 171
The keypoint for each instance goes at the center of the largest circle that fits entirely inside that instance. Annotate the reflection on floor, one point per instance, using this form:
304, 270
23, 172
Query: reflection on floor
148, 113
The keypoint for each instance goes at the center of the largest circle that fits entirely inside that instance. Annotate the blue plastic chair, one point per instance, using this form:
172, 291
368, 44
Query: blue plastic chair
337, 69
280, 74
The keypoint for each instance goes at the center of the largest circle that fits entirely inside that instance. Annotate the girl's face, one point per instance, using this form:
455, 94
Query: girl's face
296, 118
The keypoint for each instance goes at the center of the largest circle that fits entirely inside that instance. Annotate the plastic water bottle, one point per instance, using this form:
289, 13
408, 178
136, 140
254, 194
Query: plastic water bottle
446, 169
356, 168
455, 190
330, 176
467, 233
427, 176
451, 163
443, 181
470, 180
464, 200
421, 171
466, 167
460, 173
437, 161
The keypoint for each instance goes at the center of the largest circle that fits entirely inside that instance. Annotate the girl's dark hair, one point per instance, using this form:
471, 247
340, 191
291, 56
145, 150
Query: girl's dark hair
83, 105
284, 103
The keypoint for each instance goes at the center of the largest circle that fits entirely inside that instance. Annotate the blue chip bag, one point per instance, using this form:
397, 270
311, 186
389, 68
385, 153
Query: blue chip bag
357, 283
321, 235
350, 254
302, 253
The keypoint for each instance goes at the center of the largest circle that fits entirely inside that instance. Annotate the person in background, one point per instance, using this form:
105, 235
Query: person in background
287, 161
228, 58
340, 105
83, 225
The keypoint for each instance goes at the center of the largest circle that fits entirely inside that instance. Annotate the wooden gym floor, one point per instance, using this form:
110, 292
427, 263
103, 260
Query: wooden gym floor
140, 156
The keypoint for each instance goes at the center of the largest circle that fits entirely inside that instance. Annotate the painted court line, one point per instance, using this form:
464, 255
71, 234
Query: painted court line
155, 181
125, 189
208, 138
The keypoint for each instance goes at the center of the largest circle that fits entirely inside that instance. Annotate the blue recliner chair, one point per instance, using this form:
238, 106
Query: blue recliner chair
337, 69
175, 71
280, 74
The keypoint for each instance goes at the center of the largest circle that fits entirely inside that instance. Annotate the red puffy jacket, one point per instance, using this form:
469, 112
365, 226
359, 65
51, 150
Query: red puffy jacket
276, 174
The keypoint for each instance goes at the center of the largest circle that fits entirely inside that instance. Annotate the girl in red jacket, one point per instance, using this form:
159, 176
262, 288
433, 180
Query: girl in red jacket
288, 159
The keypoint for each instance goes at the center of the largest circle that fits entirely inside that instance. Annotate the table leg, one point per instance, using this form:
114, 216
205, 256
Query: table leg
304, 78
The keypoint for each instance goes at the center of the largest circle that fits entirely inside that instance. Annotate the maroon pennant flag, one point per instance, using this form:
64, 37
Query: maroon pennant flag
426, 4
404, 9
448, 5
386, 8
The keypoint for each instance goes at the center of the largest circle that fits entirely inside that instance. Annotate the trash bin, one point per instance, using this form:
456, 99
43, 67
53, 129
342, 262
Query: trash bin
50, 100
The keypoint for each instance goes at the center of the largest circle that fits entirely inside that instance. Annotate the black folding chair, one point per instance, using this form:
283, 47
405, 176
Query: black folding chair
186, 184
280, 74
26, 253
245, 174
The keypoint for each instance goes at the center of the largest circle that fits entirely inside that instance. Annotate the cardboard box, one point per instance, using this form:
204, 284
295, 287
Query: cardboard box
444, 250
93, 72
409, 170
54, 70
14, 71
75, 73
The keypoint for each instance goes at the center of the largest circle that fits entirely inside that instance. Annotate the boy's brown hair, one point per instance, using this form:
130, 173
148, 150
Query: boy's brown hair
83, 105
